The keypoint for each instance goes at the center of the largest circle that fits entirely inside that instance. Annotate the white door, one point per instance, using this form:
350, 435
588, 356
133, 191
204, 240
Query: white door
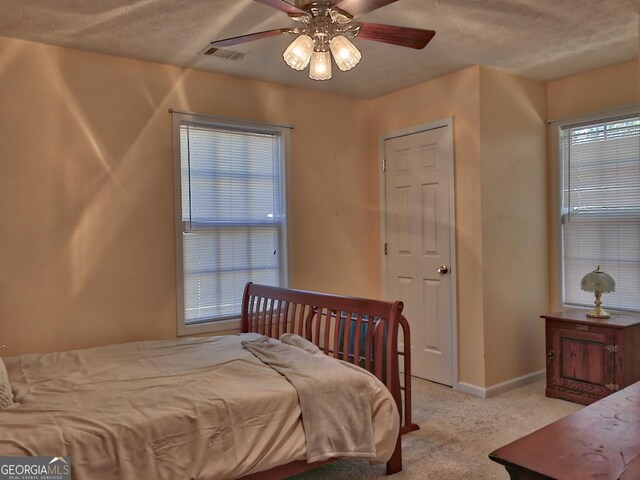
419, 204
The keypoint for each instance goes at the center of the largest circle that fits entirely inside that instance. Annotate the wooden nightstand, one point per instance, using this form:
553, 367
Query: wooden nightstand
588, 358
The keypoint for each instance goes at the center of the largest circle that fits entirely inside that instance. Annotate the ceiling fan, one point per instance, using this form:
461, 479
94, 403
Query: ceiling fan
325, 28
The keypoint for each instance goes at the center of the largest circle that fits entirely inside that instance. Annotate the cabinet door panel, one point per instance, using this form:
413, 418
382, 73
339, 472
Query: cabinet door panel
583, 363
581, 360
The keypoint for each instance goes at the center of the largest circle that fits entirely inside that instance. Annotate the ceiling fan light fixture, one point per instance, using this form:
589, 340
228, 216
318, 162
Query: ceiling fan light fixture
298, 54
324, 30
320, 68
344, 52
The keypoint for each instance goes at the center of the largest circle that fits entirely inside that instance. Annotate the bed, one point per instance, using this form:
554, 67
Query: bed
206, 407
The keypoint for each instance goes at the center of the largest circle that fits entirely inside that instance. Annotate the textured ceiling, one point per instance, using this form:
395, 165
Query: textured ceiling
541, 39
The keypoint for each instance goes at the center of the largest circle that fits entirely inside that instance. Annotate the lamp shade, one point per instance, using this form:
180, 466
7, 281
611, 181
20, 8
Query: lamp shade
320, 68
344, 52
598, 281
298, 54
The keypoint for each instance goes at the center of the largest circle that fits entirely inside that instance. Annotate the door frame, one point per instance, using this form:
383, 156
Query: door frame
423, 127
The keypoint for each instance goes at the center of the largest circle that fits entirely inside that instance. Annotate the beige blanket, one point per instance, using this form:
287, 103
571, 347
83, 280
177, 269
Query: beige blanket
335, 400
202, 408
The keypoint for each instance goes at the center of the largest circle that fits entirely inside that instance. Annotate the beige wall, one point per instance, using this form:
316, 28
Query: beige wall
590, 92
454, 95
500, 192
87, 188
87, 192
595, 91
514, 223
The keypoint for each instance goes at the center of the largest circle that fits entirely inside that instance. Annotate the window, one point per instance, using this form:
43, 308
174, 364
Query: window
230, 228
601, 208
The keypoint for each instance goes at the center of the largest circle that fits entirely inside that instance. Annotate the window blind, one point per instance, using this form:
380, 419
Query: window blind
601, 209
232, 215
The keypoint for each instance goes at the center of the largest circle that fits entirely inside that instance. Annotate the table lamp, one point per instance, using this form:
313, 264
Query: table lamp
598, 282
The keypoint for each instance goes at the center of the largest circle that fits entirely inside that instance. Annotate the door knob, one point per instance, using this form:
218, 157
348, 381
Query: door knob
443, 270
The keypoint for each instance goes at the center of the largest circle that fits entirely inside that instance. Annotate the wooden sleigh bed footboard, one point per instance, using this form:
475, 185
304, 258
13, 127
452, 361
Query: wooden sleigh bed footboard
359, 331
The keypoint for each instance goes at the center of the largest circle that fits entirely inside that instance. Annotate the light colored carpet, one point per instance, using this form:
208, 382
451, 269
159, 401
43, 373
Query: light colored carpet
457, 432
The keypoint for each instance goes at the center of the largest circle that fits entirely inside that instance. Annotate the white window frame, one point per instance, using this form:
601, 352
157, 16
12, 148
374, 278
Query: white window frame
555, 185
283, 131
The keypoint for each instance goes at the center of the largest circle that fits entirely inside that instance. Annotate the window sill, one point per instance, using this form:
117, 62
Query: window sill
209, 327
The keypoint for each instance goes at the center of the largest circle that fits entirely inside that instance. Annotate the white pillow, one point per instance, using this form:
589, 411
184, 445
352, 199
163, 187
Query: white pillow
6, 397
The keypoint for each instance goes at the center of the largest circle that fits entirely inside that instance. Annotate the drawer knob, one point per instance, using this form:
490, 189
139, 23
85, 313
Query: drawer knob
550, 356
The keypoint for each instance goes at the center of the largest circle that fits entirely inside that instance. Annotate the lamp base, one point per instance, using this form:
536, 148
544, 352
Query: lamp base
598, 313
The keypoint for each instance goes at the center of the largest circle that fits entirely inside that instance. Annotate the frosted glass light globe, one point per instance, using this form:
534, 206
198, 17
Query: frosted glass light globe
320, 68
298, 54
344, 52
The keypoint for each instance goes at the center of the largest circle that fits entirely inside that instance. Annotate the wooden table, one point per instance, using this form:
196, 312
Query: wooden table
601, 441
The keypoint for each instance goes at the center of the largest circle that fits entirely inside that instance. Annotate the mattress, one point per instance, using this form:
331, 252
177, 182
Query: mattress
201, 408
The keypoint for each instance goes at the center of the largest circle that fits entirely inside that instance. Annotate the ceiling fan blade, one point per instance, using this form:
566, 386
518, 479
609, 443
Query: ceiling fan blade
228, 42
282, 6
360, 7
402, 36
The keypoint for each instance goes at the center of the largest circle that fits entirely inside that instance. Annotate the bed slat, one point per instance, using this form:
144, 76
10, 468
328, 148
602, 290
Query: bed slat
356, 341
367, 345
346, 331
335, 346
327, 330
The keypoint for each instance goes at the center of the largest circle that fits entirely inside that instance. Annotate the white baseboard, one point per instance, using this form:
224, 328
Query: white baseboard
499, 388
471, 389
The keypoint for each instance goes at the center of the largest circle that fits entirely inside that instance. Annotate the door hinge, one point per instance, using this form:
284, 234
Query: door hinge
386, 248
384, 164
612, 348
613, 386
